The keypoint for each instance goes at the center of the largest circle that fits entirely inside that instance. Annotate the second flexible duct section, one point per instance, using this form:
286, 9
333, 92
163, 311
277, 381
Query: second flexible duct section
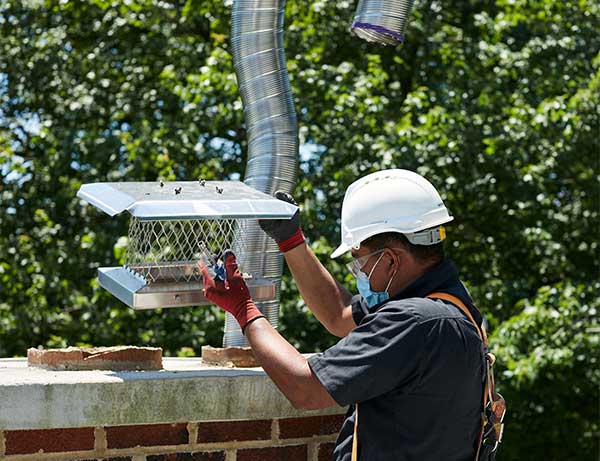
272, 132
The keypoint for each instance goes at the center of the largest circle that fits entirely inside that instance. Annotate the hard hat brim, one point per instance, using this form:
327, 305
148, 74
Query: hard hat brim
339, 251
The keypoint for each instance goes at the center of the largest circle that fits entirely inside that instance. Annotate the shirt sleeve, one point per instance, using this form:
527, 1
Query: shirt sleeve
380, 354
359, 308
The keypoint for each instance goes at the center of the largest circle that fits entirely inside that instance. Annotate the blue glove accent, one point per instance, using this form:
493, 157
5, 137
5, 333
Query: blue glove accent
220, 273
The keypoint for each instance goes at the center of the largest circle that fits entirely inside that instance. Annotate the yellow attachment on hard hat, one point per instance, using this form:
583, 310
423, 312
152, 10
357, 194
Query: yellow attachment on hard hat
442, 233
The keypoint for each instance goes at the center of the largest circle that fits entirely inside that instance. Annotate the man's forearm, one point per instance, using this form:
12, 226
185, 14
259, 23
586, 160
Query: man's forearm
288, 369
324, 296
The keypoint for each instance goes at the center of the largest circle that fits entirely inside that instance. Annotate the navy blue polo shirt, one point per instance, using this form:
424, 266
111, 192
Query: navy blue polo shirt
415, 367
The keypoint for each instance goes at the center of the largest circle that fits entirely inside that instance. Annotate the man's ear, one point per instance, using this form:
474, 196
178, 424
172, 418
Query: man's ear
394, 259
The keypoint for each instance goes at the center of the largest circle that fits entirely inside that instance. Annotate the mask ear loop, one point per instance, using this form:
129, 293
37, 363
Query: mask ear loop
390, 282
391, 278
374, 266
393, 275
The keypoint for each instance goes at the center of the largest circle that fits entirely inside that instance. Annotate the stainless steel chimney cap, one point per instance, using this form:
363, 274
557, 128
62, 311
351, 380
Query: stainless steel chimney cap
185, 200
173, 226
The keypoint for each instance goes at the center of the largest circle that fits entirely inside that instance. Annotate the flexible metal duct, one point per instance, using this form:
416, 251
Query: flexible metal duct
272, 132
382, 21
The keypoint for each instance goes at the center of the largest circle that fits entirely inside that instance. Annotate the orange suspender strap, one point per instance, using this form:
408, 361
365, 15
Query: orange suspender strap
488, 388
355, 438
458, 303
490, 358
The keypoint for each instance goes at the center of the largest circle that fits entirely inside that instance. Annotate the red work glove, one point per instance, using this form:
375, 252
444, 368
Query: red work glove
286, 232
232, 295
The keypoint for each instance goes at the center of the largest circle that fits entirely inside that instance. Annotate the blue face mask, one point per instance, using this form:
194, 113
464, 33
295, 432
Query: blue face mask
363, 284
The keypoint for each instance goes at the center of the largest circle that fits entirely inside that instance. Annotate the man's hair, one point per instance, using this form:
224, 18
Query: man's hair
426, 254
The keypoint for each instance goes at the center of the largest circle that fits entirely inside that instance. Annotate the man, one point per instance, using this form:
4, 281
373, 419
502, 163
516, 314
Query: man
411, 365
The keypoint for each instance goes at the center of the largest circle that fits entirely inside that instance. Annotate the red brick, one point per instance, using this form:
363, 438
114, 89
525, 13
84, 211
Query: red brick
120, 458
97, 358
226, 356
197, 456
326, 451
147, 435
49, 440
292, 428
226, 431
295, 453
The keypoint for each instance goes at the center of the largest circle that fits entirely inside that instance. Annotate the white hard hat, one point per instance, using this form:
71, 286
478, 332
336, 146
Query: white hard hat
392, 201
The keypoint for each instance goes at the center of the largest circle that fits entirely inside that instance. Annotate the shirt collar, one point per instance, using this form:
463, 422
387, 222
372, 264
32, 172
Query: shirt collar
442, 277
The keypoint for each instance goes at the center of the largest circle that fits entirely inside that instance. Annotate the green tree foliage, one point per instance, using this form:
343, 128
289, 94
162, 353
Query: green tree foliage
550, 373
495, 102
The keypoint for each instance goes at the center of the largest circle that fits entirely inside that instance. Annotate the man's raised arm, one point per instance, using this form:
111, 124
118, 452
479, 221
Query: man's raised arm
324, 296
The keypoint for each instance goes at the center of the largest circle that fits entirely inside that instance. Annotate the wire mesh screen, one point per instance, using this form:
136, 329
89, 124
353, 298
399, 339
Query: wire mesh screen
169, 251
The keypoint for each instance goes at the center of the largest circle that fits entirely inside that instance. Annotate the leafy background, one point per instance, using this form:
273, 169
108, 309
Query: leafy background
495, 102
